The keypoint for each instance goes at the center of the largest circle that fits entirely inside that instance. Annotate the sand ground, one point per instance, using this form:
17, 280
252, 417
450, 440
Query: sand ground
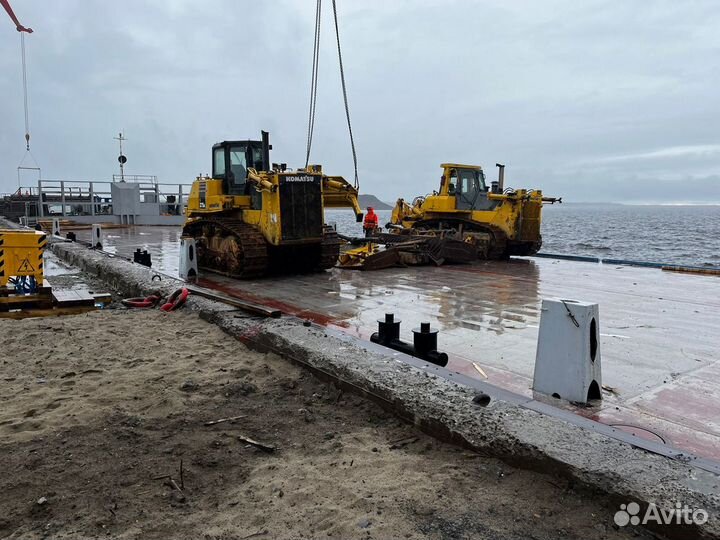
97, 409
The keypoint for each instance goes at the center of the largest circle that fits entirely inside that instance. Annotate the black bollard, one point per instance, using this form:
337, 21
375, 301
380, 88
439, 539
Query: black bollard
388, 329
142, 257
425, 340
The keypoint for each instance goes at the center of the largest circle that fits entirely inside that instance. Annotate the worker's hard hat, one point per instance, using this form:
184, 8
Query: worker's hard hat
370, 208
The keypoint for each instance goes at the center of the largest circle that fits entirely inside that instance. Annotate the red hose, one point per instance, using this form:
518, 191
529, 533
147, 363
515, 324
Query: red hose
176, 300
149, 301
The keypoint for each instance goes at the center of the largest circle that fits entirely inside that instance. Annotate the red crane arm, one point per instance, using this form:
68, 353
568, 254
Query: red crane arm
18, 26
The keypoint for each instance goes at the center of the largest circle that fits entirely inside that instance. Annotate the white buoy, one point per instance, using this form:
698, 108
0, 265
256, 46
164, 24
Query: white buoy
97, 236
56, 226
567, 363
188, 267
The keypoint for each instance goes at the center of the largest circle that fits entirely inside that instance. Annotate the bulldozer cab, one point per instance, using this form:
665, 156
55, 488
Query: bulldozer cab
232, 159
466, 183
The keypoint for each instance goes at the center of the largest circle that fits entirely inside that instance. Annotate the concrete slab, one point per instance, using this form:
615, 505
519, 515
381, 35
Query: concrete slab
660, 332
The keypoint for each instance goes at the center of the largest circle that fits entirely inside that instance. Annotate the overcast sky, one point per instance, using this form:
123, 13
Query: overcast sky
591, 100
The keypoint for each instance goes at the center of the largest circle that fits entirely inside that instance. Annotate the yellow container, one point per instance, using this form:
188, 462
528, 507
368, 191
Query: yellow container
21, 255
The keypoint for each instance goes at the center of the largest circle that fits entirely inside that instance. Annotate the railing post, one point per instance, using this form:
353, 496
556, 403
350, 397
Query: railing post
62, 196
41, 211
92, 200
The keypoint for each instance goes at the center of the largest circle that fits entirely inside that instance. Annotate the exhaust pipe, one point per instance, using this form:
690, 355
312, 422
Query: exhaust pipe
501, 177
266, 146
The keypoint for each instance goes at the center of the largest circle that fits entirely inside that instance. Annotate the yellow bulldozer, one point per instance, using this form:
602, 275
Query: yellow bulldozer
499, 222
253, 218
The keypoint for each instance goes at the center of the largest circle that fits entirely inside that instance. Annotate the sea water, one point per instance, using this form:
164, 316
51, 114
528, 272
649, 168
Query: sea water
686, 235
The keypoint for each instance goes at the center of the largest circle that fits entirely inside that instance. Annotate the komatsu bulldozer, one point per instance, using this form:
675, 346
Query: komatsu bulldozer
253, 218
500, 222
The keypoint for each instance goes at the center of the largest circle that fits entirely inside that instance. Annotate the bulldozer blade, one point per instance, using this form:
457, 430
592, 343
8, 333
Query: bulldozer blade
382, 259
456, 251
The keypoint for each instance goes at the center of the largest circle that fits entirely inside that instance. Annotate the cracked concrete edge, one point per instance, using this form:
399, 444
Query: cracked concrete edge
518, 436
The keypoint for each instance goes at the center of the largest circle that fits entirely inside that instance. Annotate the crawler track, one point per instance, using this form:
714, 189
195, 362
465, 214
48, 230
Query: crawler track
233, 248
229, 246
329, 250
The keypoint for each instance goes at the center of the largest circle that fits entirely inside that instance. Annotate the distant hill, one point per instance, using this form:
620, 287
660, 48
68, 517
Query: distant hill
372, 200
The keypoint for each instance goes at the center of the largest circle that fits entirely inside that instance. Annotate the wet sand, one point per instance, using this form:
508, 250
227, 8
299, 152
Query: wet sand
97, 409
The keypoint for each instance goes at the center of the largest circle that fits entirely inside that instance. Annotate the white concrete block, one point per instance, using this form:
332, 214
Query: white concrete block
56, 227
567, 363
97, 236
188, 267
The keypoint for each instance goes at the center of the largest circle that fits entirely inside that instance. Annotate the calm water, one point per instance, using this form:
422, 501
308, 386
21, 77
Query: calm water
667, 234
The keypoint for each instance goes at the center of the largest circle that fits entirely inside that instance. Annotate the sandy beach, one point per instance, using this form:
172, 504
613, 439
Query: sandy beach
99, 410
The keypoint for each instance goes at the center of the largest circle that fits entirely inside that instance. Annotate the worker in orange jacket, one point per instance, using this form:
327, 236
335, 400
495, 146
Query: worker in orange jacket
371, 223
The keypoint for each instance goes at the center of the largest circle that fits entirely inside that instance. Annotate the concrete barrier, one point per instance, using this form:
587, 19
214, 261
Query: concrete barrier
568, 360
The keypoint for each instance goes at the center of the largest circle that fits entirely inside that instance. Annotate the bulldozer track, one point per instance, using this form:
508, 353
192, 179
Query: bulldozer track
498, 247
256, 257
329, 250
253, 246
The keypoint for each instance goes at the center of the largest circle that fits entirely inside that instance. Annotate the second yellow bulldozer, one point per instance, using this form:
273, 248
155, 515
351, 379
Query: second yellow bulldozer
500, 222
253, 218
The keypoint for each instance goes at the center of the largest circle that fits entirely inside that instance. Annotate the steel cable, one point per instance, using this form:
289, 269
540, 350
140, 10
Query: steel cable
345, 99
313, 82
25, 91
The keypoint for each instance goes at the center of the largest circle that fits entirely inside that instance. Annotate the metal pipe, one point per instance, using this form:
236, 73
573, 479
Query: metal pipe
266, 150
501, 176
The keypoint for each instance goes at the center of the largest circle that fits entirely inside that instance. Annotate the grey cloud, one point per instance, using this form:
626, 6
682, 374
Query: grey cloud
589, 100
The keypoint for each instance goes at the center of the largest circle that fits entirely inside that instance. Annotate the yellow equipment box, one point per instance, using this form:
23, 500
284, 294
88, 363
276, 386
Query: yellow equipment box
21, 255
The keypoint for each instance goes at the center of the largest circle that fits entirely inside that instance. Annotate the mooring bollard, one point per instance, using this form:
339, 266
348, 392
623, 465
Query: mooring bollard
388, 329
424, 344
56, 227
188, 267
142, 257
567, 363
97, 236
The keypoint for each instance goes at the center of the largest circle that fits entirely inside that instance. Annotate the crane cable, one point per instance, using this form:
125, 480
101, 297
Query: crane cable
314, 86
345, 99
25, 91
313, 82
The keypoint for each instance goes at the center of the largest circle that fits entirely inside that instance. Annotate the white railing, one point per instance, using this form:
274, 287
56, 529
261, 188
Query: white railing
88, 198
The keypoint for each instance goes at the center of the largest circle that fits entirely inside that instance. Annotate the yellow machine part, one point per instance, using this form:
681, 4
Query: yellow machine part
516, 215
21, 254
355, 258
207, 197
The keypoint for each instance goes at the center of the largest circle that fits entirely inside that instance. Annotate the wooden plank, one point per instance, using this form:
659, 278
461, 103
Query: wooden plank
46, 312
68, 298
27, 304
249, 307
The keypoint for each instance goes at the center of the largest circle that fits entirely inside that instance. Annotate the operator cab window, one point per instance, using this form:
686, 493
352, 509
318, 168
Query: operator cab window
452, 185
238, 164
471, 184
257, 158
238, 170
219, 163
